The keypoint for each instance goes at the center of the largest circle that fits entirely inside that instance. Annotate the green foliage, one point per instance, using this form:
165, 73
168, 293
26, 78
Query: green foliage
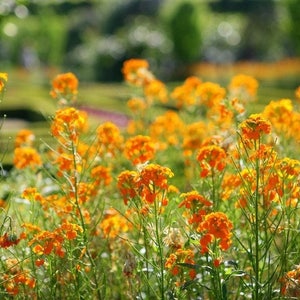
185, 32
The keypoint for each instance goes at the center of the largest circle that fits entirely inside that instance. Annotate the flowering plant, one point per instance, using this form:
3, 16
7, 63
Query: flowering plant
201, 201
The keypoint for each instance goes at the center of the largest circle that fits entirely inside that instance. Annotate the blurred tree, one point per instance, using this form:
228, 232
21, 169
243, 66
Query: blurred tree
293, 7
185, 32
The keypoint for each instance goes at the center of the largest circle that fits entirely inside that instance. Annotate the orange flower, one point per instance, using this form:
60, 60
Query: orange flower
136, 105
26, 157
154, 180
101, 175
210, 94
109, 138
113, 224
25, 137
139, 149
254, 127
64, 86
68, 124
196, 207
3, 80
180, 256
281, 116
167, 129
127, 185
211, 158
136, 72
215, 226
192, 199
156, 89
194, 134
185, 95
243, 86
290, 283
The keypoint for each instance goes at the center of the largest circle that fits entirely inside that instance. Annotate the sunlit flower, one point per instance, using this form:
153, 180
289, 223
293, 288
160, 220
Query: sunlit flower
254, 127
139, 149
114, 224
154, 180
196, 206
16, 280
282, 116
65, 87
101, 176
167, 129
26, 157
243, 86
185, 95
68, 124
24, 137
127, 185
215, 226
136, 71
109, 139
156, 90
194, 135
211, 158
290, 283
210, 94
185, 256
136, 105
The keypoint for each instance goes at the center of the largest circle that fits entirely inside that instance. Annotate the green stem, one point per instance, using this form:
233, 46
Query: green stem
160, 248
257, 222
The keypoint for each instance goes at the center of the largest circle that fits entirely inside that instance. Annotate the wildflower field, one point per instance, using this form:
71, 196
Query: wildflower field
199, 202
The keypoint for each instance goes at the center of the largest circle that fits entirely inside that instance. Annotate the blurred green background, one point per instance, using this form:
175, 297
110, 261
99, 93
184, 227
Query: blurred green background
93, 38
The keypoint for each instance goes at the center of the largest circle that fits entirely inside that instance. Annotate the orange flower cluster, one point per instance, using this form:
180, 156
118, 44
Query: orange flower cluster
65, 87
210, 94
212, 158
194, 135
284, 119
196, 206
186, 94
68, 124
167, 129
109, 139
47, 242
113, 224
26, 157
127, 182
290, 284
150, 184
136, 71
15, 280
156, 89
3, 80
24, 137
243, 86
139, 149
216, 227
185, 256
254, 127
